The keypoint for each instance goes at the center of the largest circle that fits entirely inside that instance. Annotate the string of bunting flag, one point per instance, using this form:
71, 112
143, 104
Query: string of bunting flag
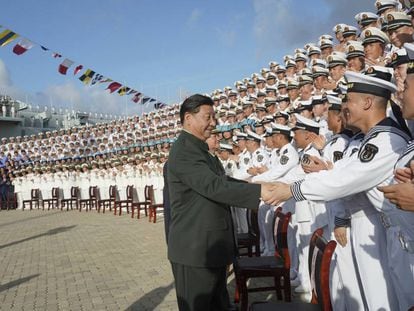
86, 76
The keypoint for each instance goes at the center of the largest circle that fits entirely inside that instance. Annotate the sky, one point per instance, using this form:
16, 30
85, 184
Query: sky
164, 49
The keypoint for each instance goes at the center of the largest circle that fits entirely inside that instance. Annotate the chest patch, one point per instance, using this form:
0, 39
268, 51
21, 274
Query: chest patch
260, 158
284, 159
368, 153
337, 155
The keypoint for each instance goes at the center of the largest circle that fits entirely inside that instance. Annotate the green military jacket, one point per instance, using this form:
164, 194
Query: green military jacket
201, 231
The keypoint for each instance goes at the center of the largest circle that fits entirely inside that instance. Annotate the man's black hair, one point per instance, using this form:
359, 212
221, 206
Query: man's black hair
192, 105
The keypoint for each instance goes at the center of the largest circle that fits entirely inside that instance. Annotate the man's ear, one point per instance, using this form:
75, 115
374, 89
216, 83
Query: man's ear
187, 118
368, 102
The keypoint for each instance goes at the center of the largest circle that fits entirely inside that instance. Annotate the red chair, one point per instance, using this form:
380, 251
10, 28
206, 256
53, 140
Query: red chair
54, 201
34, 199
108, 202
136, 205
320, 256
127, 203
252, 237
74, 199
92, 201
152, 206
277, 266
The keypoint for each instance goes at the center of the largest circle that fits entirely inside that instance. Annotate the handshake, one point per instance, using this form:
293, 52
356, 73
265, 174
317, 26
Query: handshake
275, 193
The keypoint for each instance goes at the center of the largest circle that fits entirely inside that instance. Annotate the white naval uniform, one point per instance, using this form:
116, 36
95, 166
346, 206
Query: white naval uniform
399, 226
281, 162
344, 285
359, 173
239, 214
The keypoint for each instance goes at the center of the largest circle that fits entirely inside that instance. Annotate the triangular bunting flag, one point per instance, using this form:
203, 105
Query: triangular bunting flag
98, 77
145, 100
105, 80
56, 55
44, 48
87, 76
136, 97
77, 69
7, 36
64, 66
123, 90
113, 87
22, 46
132, 91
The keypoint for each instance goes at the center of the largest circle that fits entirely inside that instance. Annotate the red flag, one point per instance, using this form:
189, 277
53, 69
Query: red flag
136, 97
22, 46
64, 66
77, 69
113, 87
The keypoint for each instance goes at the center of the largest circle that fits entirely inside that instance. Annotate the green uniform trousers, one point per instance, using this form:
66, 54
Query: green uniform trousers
200, 289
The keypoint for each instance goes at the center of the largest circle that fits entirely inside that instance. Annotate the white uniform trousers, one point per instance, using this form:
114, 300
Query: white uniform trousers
265, 218
369, 248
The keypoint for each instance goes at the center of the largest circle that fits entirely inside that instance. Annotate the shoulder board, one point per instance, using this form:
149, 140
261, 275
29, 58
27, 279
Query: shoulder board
286, 151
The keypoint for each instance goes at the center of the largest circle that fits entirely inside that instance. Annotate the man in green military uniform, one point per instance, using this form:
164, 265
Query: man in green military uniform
201, 242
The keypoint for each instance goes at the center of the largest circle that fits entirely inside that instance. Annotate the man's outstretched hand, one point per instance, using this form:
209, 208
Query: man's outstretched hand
275, 193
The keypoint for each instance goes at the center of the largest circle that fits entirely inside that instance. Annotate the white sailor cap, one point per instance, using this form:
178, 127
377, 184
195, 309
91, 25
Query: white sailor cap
281, 129
303, 123
263, 71
318, 71
373, 34
270, 75
325, 43
292, 84
253, 136
349, 31
288, 57
409, 47
383, 5
397, 19
281, 114
305, 72
364, 83
366, 18
326, 37
280, 69
300, 57
338, 28
399, 57
260, 79
354, 49
281, 84
319, 62
290, 63
318, 99
240, 135
336, 59
299, 50
224, 146
273, 64
335, 103
271, 88
305, 79
303, 105
313, 49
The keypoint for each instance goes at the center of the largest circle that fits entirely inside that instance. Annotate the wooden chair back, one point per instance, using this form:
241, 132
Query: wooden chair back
280, 228
320, 256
